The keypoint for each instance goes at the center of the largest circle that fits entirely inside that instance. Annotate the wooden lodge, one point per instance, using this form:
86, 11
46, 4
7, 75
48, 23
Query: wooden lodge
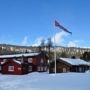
19, 64
69, 65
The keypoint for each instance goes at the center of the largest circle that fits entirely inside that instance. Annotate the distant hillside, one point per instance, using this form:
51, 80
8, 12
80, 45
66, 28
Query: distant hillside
10, 49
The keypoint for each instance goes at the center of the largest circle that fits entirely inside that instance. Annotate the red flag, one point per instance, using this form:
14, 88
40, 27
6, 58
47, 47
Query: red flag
61, 27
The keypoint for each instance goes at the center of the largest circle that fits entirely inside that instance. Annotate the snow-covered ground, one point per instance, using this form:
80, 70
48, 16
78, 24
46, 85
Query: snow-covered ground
44, 81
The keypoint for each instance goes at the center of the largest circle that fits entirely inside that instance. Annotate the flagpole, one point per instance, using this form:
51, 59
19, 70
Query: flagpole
55, 55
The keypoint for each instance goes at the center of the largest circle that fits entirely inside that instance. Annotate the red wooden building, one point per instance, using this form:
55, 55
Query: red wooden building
69, 65
23, 63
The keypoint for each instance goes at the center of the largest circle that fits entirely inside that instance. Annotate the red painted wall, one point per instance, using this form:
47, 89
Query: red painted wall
34, 61
17, 69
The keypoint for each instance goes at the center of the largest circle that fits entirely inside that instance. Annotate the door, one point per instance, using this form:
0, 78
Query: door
64, 70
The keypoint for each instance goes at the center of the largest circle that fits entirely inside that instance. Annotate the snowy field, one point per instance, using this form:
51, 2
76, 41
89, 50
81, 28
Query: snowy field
44, 81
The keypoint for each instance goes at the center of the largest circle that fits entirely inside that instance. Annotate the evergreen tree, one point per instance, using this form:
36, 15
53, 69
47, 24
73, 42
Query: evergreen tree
64, 54
86, 56
49, 45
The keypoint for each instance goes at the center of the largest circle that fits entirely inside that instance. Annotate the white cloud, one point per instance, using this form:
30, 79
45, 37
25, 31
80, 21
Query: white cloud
72, 44
57, 38
75, 43
38, 41
25, 41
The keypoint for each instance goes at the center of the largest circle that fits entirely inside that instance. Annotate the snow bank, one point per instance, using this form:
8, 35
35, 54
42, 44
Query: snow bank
44, 81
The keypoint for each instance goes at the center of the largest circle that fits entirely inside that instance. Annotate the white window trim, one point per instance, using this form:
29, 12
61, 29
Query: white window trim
10, 68
29, 60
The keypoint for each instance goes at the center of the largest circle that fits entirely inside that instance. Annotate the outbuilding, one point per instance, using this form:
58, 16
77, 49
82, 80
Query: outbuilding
14, 67
69, 65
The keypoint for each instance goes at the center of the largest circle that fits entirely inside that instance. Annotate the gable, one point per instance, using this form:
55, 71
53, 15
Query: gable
11, 62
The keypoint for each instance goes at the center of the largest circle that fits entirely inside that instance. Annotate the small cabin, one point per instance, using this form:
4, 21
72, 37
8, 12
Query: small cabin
14, 67
23, 63
69, 65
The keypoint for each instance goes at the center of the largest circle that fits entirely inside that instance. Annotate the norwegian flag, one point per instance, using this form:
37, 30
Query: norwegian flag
57, 24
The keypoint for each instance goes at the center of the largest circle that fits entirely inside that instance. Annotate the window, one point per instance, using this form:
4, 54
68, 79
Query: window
42, 61
80, 69
45, 68
30, 68
20, 59
64, 70
0, 68
41, 68
4, 60
38, 68
30, 60
10, 68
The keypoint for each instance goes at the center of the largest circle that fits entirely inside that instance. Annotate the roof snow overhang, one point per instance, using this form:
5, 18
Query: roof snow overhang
19, 55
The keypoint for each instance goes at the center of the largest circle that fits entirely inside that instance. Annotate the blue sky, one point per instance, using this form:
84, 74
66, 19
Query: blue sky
26, 22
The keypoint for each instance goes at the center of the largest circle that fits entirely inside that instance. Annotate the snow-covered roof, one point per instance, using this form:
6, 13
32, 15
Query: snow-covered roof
75, 61
19, 55
19, 62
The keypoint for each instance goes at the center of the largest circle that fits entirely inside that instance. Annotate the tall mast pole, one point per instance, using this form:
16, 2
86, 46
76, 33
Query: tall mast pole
55, 55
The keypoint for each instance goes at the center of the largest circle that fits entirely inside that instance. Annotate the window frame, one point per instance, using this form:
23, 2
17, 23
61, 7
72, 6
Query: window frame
10, 68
